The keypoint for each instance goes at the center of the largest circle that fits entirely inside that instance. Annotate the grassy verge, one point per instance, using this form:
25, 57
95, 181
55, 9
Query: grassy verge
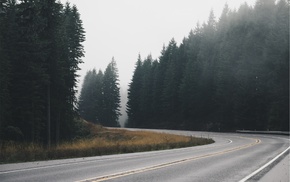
102, 141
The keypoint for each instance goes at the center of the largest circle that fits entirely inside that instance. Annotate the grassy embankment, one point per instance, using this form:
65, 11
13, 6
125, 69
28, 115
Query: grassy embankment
99, 141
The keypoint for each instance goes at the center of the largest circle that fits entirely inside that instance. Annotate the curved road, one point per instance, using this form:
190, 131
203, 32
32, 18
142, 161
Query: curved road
233, 157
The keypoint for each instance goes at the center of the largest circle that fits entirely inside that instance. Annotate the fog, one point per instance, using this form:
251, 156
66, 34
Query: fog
123, 29
123, 118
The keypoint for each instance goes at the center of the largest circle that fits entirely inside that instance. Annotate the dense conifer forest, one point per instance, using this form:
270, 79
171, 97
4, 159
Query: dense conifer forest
99, 100
40, 52
228, 74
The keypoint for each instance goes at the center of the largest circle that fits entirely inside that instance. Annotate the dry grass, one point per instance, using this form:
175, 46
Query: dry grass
102, 142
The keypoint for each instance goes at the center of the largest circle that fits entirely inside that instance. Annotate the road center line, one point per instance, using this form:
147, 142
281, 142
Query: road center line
76, 162
154, 167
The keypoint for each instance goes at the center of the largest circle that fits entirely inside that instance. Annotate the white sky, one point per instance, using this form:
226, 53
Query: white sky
124, 28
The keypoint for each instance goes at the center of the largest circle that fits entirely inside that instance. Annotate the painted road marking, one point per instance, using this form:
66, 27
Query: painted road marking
100, 159
150, 168
264, 166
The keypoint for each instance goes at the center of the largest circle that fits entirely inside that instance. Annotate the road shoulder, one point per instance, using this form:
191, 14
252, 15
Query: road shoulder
279, 173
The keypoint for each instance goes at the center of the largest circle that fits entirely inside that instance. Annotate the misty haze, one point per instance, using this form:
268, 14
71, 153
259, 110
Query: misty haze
144, 90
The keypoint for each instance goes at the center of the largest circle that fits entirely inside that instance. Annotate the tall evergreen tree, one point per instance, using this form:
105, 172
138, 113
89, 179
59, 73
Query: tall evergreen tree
146, 93
69, 59
90, 103
99, 95
111, 98
99, 101
87, 103
171, 81
28, 68
133, 104
188, 90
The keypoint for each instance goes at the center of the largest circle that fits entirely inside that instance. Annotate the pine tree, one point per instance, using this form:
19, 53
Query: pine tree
90, 104
188, 90
99, 97
87, 100
134, 93
73, 36
111, 96
28, 68
171, 81
146, 93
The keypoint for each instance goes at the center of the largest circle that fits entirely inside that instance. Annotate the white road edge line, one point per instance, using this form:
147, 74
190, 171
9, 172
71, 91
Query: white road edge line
162, 165
37, 168
264, 166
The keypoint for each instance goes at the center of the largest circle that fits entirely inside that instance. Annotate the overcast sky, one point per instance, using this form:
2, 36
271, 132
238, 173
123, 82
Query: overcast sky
124, 28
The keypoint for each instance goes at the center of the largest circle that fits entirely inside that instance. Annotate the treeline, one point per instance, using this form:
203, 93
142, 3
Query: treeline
99, 101
40, 51
226, 75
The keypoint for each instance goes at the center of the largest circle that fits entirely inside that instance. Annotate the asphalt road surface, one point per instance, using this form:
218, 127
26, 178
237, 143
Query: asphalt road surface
233, 157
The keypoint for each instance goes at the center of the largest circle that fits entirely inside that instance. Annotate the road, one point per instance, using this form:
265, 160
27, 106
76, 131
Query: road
233, 157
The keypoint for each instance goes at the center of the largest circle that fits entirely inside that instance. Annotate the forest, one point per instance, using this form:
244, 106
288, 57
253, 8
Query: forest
228, 74
40, 52
99, 100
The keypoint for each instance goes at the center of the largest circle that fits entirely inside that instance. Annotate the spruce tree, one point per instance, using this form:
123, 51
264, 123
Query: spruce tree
146, 93
111, 96
99, 95
87, 100
171, 82
134, 93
